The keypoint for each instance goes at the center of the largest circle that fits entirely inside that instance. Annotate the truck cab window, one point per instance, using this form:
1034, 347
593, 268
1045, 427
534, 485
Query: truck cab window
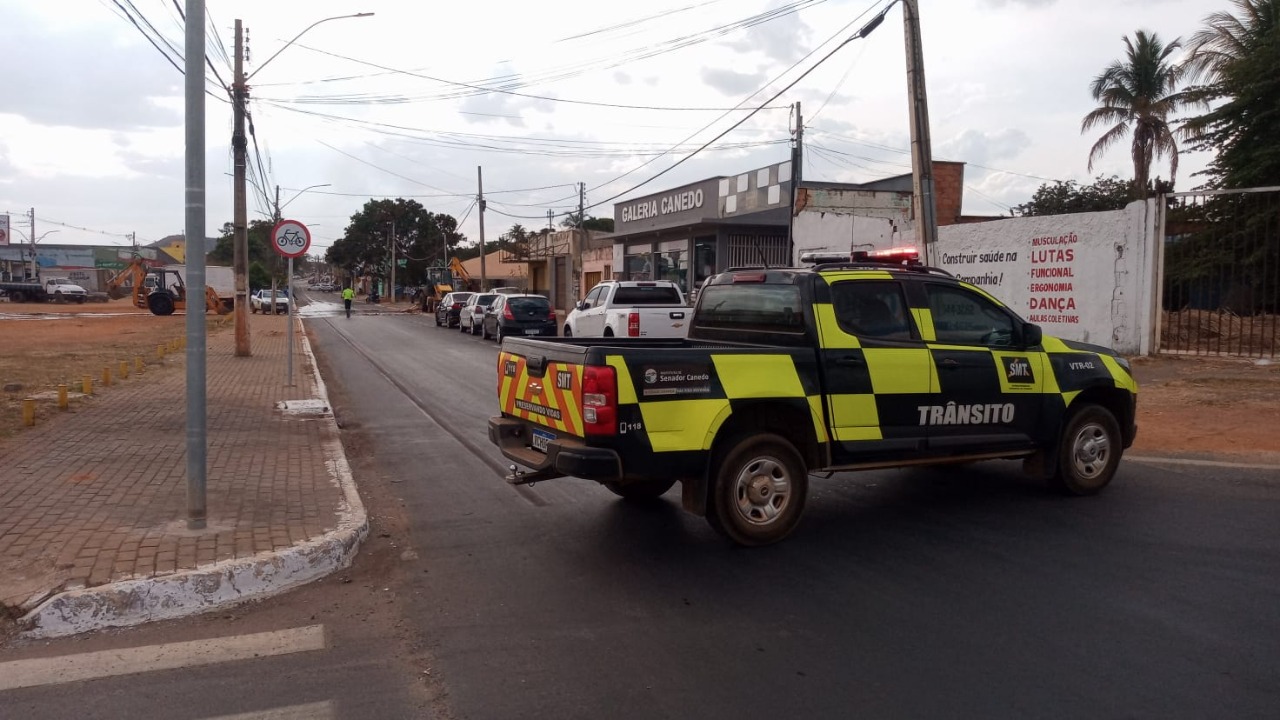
872, 310
963, 317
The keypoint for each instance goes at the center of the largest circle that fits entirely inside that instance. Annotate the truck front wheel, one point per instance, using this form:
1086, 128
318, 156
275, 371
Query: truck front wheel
641, 491
759, 491
1088, 451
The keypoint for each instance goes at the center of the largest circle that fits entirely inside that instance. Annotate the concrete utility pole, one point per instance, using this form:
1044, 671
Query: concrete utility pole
33, 243
197, 415
797, 172
480, 202
240, 220
579, 265
922, 199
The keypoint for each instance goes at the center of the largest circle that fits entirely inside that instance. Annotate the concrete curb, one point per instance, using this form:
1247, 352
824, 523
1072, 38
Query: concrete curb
223, 584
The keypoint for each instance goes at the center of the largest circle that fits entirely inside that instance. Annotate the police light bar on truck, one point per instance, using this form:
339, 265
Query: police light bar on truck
892, 256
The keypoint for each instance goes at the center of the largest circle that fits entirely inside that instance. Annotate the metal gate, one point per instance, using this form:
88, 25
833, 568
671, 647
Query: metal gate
1220, 270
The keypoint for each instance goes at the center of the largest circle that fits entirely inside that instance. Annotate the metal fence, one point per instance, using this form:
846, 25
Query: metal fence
1220, 269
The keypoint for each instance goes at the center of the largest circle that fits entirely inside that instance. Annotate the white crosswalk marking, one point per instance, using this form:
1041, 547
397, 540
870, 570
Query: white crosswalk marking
310, 711
169, 656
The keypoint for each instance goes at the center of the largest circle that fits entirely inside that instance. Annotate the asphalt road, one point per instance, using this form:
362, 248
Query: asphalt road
925, 593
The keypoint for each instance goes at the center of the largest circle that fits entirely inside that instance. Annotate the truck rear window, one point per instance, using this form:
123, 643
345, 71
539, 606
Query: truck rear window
646, 295
758, 307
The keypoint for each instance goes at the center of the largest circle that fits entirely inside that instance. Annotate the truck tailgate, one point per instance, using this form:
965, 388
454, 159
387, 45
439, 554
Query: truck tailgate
541, 383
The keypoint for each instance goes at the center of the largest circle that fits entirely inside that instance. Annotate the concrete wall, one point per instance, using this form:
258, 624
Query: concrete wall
1086, 276
839, 221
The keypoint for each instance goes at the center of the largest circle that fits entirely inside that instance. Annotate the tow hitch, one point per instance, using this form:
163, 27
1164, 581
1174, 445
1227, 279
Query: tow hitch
530, 477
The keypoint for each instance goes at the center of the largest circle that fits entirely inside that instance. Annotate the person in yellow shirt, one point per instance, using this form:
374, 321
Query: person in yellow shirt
347, 296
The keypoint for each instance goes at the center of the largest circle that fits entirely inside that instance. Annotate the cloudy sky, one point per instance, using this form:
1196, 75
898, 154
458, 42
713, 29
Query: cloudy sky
91, 123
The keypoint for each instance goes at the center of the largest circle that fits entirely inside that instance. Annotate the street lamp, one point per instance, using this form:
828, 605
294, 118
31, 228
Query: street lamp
304, 32
239, 146
33, 246
280, 208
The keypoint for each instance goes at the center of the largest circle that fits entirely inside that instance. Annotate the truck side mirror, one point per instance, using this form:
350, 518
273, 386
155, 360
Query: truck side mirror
1032, 335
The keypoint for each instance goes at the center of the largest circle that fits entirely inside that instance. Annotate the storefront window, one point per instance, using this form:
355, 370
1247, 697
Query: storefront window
638, 266
704, 265
674, 266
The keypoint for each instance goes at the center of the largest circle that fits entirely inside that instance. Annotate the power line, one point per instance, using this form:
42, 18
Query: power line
484, 90
864, 32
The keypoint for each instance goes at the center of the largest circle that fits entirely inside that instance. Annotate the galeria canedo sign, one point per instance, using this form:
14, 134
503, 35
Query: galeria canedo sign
677, 202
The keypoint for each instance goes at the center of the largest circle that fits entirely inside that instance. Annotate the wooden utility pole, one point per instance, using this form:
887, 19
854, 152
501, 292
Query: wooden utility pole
392, 290
922, 199
240, 220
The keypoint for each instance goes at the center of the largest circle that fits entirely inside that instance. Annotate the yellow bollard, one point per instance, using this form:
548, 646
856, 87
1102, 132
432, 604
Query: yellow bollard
138, 365
29, 411
62, 396
106, 376
124, 369
86, 385
159, 352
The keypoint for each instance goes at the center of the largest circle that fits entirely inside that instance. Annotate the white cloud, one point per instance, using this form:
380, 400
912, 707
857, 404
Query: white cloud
732, 83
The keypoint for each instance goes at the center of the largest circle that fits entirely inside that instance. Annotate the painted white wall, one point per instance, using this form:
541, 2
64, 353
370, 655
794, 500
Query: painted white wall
1086, 276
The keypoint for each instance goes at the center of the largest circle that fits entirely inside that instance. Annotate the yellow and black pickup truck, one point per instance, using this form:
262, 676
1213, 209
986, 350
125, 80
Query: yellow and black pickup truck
786, 372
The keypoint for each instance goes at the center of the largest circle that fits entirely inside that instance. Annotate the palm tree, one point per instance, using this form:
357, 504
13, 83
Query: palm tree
1236, 57
1138, 94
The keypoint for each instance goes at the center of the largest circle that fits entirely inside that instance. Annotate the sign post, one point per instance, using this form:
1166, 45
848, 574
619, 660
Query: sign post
290, 239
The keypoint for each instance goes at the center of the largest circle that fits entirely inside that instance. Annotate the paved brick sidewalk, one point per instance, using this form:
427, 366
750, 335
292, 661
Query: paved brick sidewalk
98, 494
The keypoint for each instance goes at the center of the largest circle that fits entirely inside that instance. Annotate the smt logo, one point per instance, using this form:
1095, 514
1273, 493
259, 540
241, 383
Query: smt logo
509, 369
1018, 370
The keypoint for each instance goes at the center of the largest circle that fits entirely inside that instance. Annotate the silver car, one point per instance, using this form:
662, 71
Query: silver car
471, 316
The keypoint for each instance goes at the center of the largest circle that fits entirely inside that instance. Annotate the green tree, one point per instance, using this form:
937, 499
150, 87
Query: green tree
422, 238
1139, 94
1104, 193
1237, 56
591, 223
268, 262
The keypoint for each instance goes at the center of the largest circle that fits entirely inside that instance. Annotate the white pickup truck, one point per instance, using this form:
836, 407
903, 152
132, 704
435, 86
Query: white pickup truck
630, 308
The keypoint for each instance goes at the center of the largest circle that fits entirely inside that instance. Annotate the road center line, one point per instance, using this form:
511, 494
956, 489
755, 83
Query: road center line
150, 658
1200, 463
310, 711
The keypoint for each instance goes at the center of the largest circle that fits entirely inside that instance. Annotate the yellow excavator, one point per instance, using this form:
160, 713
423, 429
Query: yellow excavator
440, 282
158, 289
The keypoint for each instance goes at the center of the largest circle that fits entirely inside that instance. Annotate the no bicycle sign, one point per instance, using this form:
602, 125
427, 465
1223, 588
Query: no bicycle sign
291, 238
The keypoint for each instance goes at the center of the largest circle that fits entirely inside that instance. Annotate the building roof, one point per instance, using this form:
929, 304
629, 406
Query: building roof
495, 268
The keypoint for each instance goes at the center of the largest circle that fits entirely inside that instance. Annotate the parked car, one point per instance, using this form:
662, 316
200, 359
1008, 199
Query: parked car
450, 308
260, 301
635, 308
518, 315
471, 316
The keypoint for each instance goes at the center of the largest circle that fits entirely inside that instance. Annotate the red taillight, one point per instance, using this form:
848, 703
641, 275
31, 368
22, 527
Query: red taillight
506, 312
633, 324
600, 400
457, 306
551, 315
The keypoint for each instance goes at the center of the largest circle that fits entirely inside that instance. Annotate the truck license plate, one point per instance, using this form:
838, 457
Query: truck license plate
541, 438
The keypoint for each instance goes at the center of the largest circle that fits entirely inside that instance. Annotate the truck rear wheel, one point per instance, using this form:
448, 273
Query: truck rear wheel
641, 491
1088, 451
759, 490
